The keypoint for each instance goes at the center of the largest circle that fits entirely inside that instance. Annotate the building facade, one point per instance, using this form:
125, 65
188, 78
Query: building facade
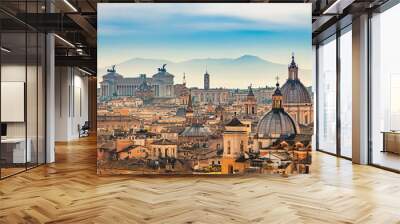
163, 83
115, 85
213, 96
235, 139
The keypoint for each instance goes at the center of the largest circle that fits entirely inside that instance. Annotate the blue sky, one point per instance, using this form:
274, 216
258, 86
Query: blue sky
179, 32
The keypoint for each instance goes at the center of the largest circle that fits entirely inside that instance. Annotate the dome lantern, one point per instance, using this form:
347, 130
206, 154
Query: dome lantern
293, 69
250, 91
277, 98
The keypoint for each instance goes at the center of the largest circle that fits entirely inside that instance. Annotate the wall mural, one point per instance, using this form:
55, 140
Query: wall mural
215, 88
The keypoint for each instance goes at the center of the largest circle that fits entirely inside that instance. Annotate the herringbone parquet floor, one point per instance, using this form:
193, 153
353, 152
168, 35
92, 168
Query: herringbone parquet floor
69, 191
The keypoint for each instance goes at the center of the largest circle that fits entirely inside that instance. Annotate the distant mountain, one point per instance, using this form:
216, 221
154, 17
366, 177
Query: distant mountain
224, 72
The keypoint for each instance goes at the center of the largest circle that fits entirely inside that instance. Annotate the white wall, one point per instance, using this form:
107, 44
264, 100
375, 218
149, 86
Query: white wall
12, 73
71, 102
33, 126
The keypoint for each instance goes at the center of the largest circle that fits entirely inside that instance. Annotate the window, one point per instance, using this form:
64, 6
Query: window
229, 147
346, 93
385, 89
241, 146
326, 105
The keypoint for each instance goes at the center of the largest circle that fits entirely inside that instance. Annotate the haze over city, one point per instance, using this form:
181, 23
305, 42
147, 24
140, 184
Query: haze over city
237, 44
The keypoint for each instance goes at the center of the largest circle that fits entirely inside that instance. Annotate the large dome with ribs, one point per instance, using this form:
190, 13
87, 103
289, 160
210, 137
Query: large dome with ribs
277, 124
293, 91
196, 130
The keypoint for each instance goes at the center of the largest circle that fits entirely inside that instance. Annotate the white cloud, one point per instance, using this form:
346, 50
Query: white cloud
268, 15
288, 14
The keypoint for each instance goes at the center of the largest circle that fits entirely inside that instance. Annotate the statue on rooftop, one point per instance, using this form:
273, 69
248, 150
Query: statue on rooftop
163, 69
112, 69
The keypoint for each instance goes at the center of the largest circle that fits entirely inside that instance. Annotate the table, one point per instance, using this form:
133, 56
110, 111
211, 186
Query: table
13, 150
391, 141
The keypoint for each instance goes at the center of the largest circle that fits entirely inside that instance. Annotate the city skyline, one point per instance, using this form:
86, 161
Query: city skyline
264, 73
216, 31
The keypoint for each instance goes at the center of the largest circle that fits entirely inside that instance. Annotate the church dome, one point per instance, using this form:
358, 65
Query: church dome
196, 130
277, 123
235, 122
112, 74
294, 92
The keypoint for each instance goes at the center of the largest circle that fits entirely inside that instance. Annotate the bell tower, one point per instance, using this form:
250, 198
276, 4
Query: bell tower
235, 138
189, 110
251, 103
206, 80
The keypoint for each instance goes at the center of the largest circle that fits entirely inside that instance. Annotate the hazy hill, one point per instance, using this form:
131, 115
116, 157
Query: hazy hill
224, 72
